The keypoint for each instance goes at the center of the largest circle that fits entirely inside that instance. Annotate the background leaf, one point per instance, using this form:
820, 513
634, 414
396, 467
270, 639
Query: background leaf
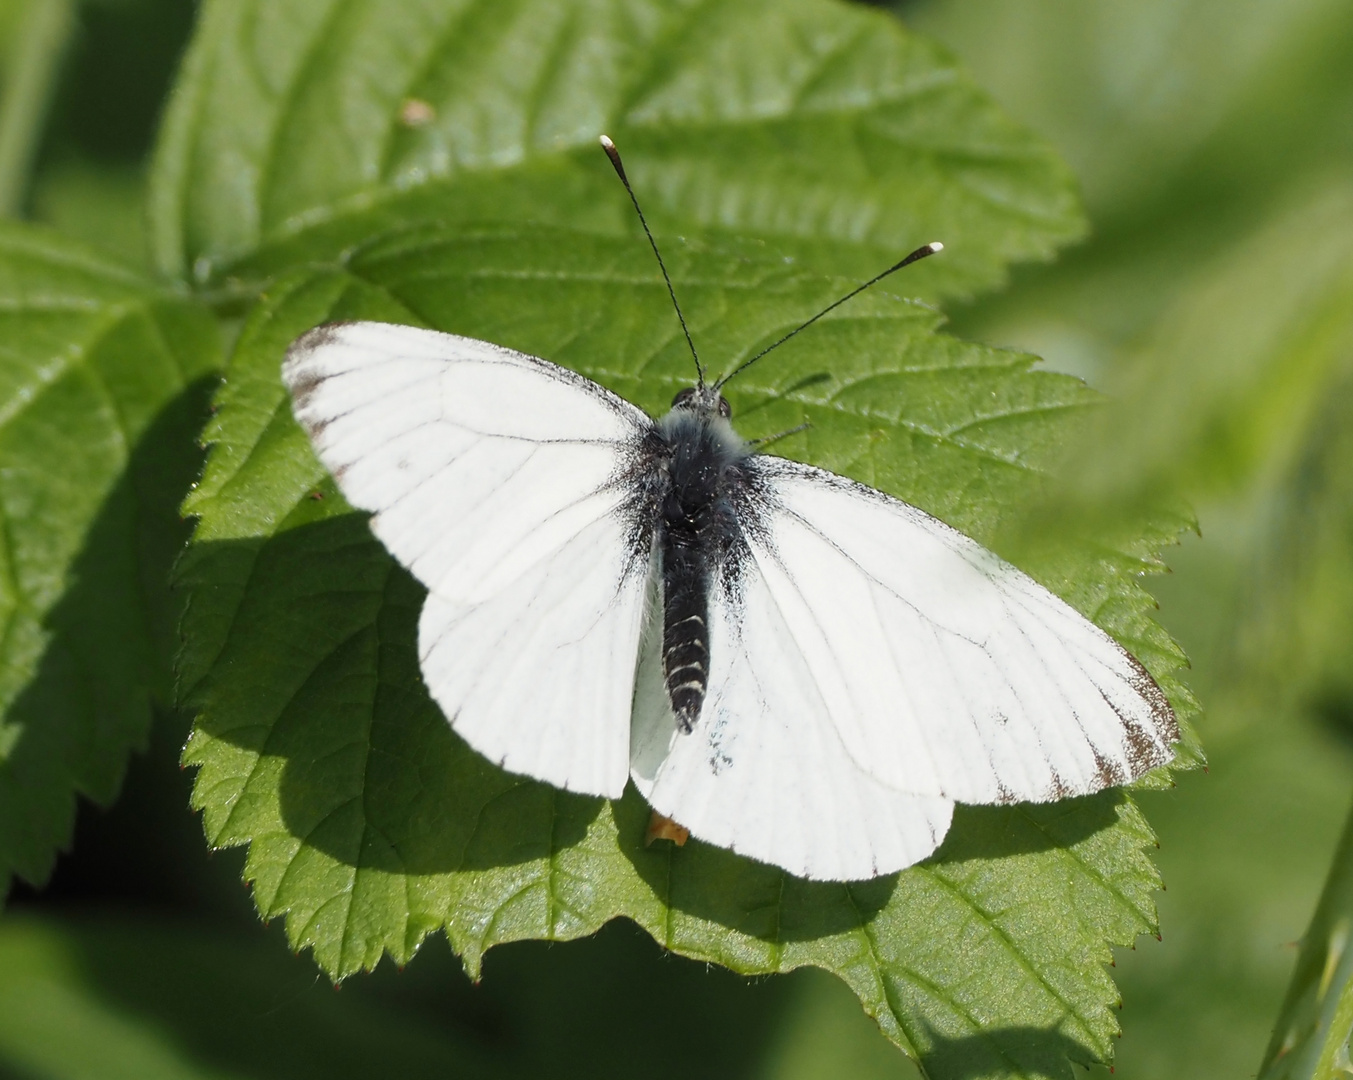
1187, 126
33, 37
103, 385
88, 179
371, 824
299, 127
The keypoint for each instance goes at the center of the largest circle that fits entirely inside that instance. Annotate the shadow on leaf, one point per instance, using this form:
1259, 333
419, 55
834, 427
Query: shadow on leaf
753, 898
995, 832
765, 902
91, 666
1011, 1051
326, 624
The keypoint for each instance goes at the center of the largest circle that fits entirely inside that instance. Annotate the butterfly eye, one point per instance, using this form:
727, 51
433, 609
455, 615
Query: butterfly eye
725, 409
684, 397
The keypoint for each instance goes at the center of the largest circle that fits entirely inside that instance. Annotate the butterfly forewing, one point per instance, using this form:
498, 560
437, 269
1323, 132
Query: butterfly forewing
490, 475
945, 670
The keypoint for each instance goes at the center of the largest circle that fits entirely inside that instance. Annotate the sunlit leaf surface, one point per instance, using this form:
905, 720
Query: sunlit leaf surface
301, 126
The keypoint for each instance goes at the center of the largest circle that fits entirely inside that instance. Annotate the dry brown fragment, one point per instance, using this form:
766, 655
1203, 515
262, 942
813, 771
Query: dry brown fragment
661, 827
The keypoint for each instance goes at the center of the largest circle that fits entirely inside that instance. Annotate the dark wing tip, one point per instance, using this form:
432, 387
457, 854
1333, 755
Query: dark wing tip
301, 380
1166, 723
323, 334
316, 338
1108, 772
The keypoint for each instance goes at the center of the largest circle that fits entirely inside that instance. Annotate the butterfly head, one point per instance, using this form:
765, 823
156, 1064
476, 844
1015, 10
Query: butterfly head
703, 399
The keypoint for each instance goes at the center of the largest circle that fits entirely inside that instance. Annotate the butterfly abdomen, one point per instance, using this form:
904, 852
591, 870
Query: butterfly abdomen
696, 530
685, 632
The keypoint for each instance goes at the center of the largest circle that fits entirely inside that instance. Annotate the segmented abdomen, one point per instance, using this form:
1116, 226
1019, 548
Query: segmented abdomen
685, 634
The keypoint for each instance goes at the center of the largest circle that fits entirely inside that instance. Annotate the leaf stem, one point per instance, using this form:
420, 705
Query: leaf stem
1310, 1038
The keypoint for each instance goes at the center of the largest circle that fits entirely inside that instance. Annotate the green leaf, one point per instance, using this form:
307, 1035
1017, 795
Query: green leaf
101, 388
1248, 123
1216, 401
98, 203
371, 824
33, 37
1304, 645
1249, 104
300, 126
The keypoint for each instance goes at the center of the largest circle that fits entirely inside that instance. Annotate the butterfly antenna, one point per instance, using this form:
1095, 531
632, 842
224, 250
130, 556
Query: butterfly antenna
916, 256
614, 155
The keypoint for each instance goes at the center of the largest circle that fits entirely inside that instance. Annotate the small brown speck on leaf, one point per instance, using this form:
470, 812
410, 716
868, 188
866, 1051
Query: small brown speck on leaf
416, 113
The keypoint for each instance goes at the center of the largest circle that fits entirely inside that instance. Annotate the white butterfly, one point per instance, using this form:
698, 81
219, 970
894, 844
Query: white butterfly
789, 664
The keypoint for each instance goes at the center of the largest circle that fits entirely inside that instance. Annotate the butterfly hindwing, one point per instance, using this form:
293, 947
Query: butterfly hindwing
490, 476
765, 772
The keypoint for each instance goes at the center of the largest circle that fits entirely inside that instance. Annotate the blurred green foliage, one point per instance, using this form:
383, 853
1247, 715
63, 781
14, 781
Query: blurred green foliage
1213, 296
